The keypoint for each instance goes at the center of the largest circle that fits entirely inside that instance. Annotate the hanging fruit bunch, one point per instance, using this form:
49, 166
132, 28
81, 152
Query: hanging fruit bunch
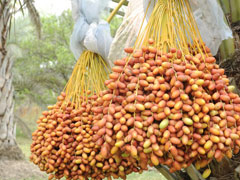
170, 113
167, 102
64, 144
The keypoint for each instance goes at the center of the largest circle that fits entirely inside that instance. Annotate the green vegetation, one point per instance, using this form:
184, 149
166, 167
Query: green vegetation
42, 70
24, 144
44, 65
115, 23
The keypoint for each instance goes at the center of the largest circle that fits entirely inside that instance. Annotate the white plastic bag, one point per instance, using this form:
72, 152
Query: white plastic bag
210, 19
126, 34
90, 9
79, 32
128, 31
90, 33
208, 15
98, 38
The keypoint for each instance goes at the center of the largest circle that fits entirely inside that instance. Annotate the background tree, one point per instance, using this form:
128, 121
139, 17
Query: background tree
49, 61
8, 8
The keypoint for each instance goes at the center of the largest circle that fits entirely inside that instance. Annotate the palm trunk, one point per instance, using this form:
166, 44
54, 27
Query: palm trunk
8, 145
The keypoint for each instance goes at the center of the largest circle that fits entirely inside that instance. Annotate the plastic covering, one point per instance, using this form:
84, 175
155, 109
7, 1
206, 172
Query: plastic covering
210, 19
208, 14
90, 33
127, 32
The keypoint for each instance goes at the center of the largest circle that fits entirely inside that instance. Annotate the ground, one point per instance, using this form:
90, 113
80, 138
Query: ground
19, 170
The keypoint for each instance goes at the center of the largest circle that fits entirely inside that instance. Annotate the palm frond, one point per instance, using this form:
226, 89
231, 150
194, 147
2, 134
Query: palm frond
34, 15
8, 8
21, 5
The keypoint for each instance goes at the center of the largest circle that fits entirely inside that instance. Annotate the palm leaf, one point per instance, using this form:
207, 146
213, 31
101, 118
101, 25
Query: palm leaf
29, 4
21, 5
34, 16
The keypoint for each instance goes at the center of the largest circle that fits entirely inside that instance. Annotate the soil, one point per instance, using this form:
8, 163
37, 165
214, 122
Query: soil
14, 166
232, 68
232, 64
20, 170
11, 153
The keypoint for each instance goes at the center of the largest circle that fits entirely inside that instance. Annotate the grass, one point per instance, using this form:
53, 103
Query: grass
147, 175
25, 144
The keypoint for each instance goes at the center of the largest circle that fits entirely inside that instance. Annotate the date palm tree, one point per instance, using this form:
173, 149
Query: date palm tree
8, 8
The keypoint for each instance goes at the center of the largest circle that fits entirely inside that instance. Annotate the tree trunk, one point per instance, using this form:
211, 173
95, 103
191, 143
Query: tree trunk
8, 145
